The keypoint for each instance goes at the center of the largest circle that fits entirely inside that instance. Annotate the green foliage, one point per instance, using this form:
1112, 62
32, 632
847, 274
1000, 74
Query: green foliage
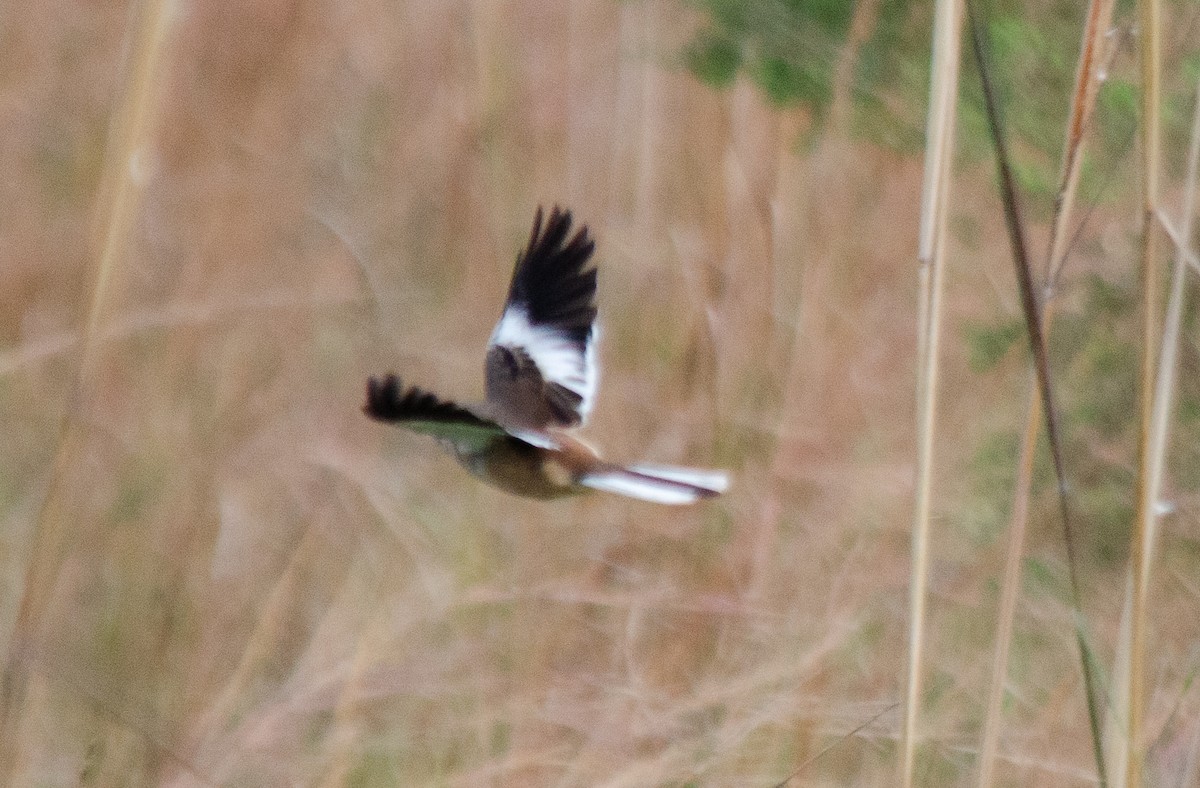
1119, 97
1094, 359
714, 58
377, 767
988, 343
992, 470
1107, 299
1043, 579
1106, 406
791, 49
785, 82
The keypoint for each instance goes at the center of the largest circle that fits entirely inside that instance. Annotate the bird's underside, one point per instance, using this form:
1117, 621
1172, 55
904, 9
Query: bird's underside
481, 445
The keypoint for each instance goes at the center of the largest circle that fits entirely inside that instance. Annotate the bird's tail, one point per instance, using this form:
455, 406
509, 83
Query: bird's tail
659, 484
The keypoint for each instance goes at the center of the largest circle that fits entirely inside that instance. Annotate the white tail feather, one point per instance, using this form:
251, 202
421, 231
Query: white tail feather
674, 486
714, 481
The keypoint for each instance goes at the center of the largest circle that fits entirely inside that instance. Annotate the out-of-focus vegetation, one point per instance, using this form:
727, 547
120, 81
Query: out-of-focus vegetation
255, 585
1095, 358
792, 50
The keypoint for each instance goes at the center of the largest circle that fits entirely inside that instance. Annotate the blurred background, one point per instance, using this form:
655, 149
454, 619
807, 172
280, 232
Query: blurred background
220, 218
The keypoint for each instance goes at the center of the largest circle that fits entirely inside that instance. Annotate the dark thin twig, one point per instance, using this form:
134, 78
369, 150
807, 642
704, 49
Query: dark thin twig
831, 745
1037, 344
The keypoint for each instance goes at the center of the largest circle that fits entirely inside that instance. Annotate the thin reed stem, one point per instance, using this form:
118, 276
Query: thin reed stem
1149, 20
117, 207
947, 32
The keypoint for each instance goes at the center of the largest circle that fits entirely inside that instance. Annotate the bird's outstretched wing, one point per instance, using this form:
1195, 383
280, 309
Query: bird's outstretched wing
541, 360
420, 411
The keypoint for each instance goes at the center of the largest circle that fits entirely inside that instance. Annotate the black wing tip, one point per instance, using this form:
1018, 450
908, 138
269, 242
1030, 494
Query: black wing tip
384, 396
553, 278
552, 239
560, 221
389, 400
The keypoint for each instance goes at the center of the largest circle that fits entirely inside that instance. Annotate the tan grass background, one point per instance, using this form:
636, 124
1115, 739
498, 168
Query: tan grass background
254, 585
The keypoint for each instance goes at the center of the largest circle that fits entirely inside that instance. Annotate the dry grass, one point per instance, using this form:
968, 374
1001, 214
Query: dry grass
254, 585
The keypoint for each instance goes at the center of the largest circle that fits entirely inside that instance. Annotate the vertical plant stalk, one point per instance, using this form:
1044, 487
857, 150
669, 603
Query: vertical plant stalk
940, 128
117, 206
1164, 394
1087, 83
1149, 15
1037, 346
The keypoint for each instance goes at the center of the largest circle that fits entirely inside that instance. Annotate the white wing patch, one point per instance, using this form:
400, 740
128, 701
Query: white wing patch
556, 356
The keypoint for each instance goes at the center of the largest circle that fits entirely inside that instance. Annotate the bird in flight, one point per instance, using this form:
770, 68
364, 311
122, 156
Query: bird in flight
541, 376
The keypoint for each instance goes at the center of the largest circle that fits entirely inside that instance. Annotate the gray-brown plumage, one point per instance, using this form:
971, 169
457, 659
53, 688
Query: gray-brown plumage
540, 361
540, 373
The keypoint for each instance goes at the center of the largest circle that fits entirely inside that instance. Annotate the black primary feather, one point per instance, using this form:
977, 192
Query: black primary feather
552, 281
388, 400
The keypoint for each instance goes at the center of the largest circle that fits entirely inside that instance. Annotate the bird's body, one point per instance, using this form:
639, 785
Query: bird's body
519, 467
541, 377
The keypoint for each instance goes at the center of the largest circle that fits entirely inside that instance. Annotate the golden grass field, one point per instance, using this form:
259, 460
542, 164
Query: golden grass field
214, 570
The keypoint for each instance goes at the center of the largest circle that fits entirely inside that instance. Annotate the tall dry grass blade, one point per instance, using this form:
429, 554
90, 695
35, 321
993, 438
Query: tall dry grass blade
1149, 15
863, 23
1168, 362
940, 128
1037, 343
1189, 256
1083, 102
116, 209
1087, 85
1010, 586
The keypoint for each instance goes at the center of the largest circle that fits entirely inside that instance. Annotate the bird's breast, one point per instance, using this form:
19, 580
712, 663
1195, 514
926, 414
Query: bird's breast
522, 468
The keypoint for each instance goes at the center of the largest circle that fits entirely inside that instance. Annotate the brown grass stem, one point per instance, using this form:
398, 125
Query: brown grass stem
262, 643
1083, 103
120, 192
1010, 586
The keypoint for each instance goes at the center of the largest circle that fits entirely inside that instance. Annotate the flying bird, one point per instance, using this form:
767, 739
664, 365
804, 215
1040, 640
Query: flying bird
540, 379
